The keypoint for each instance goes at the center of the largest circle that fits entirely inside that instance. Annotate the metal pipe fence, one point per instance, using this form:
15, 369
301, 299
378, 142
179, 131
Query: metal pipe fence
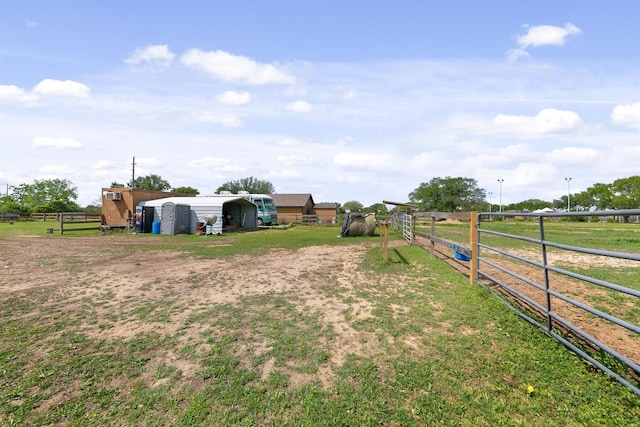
518, 290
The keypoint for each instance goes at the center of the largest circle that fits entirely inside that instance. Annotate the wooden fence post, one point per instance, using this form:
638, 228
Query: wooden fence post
384, 238
473, 243
432, 243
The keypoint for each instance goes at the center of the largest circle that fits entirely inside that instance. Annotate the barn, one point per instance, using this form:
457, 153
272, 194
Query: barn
181, 215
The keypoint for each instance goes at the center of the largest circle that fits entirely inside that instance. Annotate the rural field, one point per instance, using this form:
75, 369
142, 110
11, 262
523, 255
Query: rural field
275, 327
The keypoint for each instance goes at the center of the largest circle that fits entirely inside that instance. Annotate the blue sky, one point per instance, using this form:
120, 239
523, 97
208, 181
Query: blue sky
346, 100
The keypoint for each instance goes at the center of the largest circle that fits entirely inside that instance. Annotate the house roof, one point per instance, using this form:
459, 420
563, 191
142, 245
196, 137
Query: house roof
325, 206
291, 200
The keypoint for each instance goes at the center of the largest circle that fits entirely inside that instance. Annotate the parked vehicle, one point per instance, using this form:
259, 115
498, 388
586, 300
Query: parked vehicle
267, 213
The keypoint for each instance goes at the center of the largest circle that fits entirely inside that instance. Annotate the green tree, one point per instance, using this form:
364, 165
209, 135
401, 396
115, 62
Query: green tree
626, 193
598, 196
352, 206
116, 185
186, 190
449, 195
47, 195
378, 208
250, 184
152, 182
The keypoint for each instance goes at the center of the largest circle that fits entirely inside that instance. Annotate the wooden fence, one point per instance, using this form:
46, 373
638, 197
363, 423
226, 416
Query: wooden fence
74, 221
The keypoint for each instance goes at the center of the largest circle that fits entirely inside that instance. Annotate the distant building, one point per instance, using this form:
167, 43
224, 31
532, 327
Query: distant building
119, 203
300, 208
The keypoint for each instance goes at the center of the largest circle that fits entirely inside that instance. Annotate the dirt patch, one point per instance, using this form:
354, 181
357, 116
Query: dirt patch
130, 291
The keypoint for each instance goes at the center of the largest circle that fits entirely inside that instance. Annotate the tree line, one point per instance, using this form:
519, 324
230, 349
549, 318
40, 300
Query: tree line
61, 195
448, 194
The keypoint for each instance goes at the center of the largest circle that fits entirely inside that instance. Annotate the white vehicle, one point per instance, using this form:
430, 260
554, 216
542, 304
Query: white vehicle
267, 213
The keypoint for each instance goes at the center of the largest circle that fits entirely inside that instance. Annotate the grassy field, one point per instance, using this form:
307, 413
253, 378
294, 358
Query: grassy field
426, 348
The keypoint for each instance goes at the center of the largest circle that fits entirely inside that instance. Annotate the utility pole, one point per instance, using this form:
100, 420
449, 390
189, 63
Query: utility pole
133, 173
568, 194
500, 181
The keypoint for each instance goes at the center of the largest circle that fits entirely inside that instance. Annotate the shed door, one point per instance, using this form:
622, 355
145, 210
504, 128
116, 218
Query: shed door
167, 226
182, 219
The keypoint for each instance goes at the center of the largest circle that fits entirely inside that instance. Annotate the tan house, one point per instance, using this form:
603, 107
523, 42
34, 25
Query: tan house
327, 213
300, 208
293, 207
119, 203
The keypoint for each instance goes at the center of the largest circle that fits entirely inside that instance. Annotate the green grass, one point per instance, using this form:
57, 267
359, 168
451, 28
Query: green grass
426, 348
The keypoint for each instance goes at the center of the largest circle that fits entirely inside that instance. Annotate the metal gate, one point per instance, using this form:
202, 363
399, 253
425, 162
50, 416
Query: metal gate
507, 284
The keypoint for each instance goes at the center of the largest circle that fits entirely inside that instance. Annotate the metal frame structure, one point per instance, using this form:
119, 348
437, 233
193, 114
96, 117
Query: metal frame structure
551, 320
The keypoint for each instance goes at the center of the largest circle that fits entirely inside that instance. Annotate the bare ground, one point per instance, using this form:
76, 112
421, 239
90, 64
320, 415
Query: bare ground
113, 270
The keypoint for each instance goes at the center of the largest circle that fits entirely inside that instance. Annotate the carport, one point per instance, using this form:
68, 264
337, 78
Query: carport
232, 212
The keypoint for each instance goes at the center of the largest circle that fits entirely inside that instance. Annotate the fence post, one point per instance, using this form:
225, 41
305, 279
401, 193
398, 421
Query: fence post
384, 237
432, 243
473, 243
61, 223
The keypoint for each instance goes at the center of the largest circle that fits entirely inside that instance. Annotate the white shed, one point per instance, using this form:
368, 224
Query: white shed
232, 212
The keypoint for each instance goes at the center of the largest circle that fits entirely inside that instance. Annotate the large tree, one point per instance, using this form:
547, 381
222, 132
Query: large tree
598, 196
152, 182
250, 184
352, 206
46, 195
186, 190
449, 195
626, 193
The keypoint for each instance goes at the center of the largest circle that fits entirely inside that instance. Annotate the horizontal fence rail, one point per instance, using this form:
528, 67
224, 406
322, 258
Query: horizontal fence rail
532, 291
72, 221
509, 286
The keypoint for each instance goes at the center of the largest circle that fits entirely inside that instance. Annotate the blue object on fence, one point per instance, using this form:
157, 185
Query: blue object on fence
155, 227
459, 255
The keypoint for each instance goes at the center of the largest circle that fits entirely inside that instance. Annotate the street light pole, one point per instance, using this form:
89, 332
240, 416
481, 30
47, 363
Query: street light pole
568, 194
500, 181
490, 193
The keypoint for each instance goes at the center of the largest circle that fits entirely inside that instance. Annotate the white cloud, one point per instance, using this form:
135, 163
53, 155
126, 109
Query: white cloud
216, 163
542, 35
66, 88
529, 175
234, 68
547, 122
362, 160
289, 142
30, 24
232, 97
155, 54
574, 156
350, 95
56, 143
226, 120
149, 161
101, 164
284, 174
293, 160
298, 107
55, 170
14, 94
627, 115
